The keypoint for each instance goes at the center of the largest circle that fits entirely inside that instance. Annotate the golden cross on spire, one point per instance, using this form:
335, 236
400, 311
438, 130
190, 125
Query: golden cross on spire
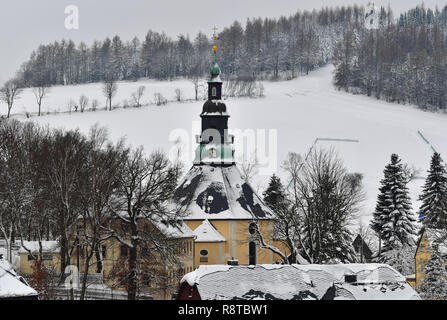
215, 34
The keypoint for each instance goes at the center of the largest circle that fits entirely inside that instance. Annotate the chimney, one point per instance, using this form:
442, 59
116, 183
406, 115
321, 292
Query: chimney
233, 262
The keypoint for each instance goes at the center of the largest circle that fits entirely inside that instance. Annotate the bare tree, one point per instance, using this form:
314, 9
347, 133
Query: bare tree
249, 167
98, 185
83, 102
196, 82
70, 105
136, 96
146, 186
178, 95
94, 104
64, 168
327, 198
160, 99
39, 93
109, 90
321, 201
9, 93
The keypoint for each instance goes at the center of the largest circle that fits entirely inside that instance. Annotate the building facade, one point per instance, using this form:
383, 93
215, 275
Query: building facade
424, 251
222, 208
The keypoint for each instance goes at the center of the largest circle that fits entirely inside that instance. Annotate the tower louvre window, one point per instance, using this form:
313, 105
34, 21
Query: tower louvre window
214, 92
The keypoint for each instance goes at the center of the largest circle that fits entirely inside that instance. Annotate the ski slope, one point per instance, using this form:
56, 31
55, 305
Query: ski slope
301, 111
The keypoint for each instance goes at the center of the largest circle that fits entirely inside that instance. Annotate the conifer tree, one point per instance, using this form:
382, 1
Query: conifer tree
434, 285
274, 195
434, 195
393, 220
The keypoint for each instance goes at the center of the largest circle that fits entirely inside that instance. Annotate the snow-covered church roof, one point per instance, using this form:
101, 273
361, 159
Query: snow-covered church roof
300, 282
219, 192
207, 233
11, 285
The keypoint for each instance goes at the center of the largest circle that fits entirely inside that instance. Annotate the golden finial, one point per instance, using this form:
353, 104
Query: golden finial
215, 49
215, 34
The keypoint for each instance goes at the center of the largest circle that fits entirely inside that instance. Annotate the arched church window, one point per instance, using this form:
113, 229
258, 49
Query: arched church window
252, 253
214, 92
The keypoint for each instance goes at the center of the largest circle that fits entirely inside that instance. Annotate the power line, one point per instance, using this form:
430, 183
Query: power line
313, 146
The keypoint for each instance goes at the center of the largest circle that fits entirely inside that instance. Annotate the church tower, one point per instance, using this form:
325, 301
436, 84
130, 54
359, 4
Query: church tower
221, 206
215, 145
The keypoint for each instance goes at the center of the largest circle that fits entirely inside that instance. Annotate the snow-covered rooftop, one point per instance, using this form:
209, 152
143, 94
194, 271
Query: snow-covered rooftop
175, 229
300, 282
10, 284
33, 246
207, 233
219, 192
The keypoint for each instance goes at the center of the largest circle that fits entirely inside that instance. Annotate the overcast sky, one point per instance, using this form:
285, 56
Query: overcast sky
25, 24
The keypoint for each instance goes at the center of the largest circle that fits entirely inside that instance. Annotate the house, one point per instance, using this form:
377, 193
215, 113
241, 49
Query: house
424, 249
296, 282
109, 270
223, 210
12, 286
364, 253
30, 250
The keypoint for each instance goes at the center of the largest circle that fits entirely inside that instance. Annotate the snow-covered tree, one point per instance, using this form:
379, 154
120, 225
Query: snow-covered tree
274, 195
434, 195
325, 198
393, 220
434, 285
400, 258
9, 93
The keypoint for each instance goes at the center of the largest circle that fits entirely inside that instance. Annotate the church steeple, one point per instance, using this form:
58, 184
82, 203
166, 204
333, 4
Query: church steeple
215, 83
215, 143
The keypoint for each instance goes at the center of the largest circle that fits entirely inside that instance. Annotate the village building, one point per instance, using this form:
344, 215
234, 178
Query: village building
223, 210
363, 251
429, 237
296, 282
160, 278
30, 251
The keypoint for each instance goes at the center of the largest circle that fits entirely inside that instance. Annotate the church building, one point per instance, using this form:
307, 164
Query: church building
222, 208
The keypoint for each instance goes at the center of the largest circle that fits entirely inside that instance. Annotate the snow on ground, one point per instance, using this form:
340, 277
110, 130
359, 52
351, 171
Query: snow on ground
59, 97
301, 110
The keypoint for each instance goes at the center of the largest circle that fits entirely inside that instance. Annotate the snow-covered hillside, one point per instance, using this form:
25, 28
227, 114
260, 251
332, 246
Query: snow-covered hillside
301, 110
58, 97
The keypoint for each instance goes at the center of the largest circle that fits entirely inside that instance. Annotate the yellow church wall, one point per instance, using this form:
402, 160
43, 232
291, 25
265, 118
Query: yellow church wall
215, 253
238, 237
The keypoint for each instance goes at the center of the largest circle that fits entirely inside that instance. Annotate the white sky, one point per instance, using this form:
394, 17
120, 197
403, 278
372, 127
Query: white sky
25, 24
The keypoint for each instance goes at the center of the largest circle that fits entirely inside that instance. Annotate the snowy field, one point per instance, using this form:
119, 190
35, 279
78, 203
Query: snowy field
301, 110
59, 97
